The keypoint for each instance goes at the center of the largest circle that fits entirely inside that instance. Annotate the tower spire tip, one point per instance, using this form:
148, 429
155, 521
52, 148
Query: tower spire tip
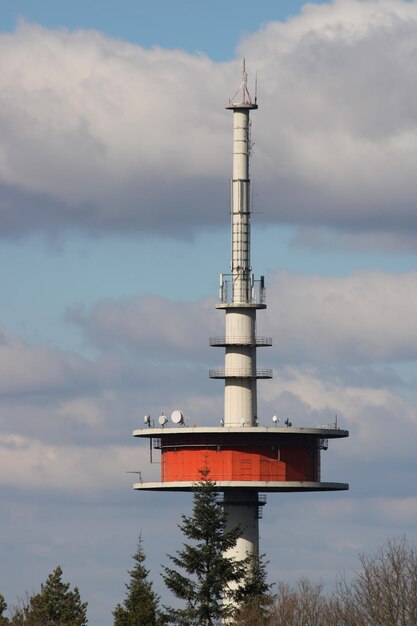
242, 96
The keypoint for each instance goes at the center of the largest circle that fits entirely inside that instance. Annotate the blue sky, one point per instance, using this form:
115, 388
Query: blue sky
114, 168
185, 24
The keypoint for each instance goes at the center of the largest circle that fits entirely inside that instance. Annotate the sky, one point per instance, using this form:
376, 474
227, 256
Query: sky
115, 159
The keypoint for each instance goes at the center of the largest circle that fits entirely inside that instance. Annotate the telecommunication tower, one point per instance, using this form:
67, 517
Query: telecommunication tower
246, 459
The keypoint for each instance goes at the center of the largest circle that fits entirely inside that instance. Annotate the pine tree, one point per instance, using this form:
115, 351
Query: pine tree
254, 597
120, 616
55, 605
207, 572
3, 607
141, 605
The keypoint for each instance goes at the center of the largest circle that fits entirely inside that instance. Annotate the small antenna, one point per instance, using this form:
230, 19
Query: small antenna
256, 87
243, 89
244, 80
139, 473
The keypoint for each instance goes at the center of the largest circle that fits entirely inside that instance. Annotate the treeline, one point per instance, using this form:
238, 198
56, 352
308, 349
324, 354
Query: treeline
214, 589
55, 604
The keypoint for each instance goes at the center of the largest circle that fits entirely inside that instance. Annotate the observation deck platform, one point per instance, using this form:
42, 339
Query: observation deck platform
258, 458
264, 486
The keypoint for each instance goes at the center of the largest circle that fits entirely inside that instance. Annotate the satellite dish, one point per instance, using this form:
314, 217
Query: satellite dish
177, 417
288, 423
147, 419
275, 419
162, 419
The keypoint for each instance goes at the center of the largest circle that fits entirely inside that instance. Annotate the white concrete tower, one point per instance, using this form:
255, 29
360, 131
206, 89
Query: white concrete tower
241, 295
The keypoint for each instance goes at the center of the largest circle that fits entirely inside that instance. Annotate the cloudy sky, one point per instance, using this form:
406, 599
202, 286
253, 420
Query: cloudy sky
114, 175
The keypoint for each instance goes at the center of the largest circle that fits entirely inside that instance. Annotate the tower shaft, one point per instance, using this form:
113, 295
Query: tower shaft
240, 208
240, 358
240, 294
240, 394
240, 406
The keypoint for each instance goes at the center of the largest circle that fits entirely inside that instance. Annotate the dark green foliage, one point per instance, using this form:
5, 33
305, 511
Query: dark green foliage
55, 605
254, 597
206, 572
141, 605
255, 583
120, 616
3, 608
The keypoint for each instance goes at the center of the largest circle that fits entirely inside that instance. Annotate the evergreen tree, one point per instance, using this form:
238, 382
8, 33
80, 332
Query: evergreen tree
3, 608
207, 572
254, 597
141, 605
55, 605
120, 616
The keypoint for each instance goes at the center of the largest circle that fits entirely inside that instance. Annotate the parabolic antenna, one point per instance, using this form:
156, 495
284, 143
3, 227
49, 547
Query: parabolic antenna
162, 419
177, 417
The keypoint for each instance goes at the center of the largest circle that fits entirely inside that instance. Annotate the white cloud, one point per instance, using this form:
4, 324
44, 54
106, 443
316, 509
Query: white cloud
55, 395
367, 316
31, 464
99, 134
339, 81
375, 416
150, 324
364, 317
397, 512
27, 369
83, 410
102, 129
